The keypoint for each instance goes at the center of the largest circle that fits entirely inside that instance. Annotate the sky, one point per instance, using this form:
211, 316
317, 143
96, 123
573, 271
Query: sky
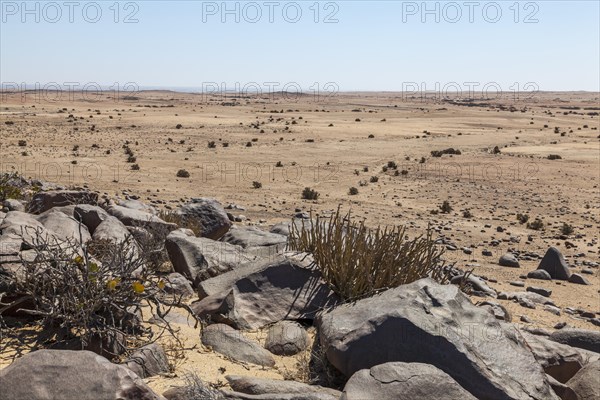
346, 45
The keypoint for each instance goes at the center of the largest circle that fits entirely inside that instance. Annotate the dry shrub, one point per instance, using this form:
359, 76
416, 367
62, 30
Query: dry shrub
357, 261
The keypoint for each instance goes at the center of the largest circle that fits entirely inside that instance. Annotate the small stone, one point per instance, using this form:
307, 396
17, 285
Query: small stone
552, 309
578, 279
525, 318
539, 274
539, 290
560, 325
517, 283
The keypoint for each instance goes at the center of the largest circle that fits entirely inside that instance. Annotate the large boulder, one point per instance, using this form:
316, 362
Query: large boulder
65, 227
201, 258
403, 381
207, 215
24, 226
133, 217
113, 231
586, 383
57, 198
65, 374
509, 260
434, 324
291, 289
138, 205
232, 343
581, 338
554, 263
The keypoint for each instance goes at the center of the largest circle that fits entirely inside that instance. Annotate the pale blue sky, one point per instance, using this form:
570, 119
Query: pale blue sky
369, 48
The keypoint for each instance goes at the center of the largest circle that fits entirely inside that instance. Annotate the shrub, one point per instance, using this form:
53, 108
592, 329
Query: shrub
522, 218
279, 164
353, 191
22, 143
256, 185
374, 179
445, 207
392, 165
92, 293
9, 188
536, 225
182, 173
439, 153
310, 194
135, 167
566, 229
212, 144
357, 261
554, 157
467, 214
131, 159
178, 126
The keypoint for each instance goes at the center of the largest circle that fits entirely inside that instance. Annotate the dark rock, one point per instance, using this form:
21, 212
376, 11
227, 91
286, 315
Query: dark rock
578, 279
586, 383
403, 381
539, 290
554, 263
57, 198
208, 215
584, 339
65, 374
132, 217
91, 216
509, 260
539, 274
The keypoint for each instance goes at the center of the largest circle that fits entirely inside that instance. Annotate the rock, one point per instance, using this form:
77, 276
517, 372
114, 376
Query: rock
578, 279
286, 338
148, 361
253, 237
530, 296
201, 258
291, 289
562, 390
13, 205
478, 284
539, 290
178, 285
66, 228
552, 309
91, 216
486, 253
497, 310
581, 338
137, 205
132, 217
586, 383
403, 381
65, 374
208, 215
229, 395
539, 274
509, 260
433, 324
258, 386
554, 263
517, 283
112, 230
558, 360
23, 227
231, 343
57, 198
525, 302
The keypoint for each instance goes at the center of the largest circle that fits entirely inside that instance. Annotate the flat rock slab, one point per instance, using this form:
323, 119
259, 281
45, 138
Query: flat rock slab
65, 374
403, 381
232, 343
258, 386
581, 338
252, 237
133, 217
57, 198
434, 324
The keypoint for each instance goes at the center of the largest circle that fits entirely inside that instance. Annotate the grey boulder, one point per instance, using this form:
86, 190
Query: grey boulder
434, 324
65, 374
286, 338
509, 260
581, 338
403, 381
148, 361
207, 215
57, 198
261, 386
64, 227
586, 383
133, 217
252, 237
232, 343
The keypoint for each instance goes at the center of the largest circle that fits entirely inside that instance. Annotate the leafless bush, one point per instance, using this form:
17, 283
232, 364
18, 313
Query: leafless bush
93, 292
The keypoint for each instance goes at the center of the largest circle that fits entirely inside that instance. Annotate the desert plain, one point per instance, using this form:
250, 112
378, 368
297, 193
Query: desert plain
259, 152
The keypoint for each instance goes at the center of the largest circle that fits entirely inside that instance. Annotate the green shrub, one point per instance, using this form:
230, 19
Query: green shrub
522, 218
357, 261
566, 229
256, 185
536, 225
445, 207
182, 173
353, 191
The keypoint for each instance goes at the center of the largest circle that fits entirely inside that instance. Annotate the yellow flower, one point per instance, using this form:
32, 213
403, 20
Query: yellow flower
138, 287
112, 284
161, 284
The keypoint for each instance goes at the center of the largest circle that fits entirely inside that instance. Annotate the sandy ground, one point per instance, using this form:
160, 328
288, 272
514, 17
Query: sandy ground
325, 145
